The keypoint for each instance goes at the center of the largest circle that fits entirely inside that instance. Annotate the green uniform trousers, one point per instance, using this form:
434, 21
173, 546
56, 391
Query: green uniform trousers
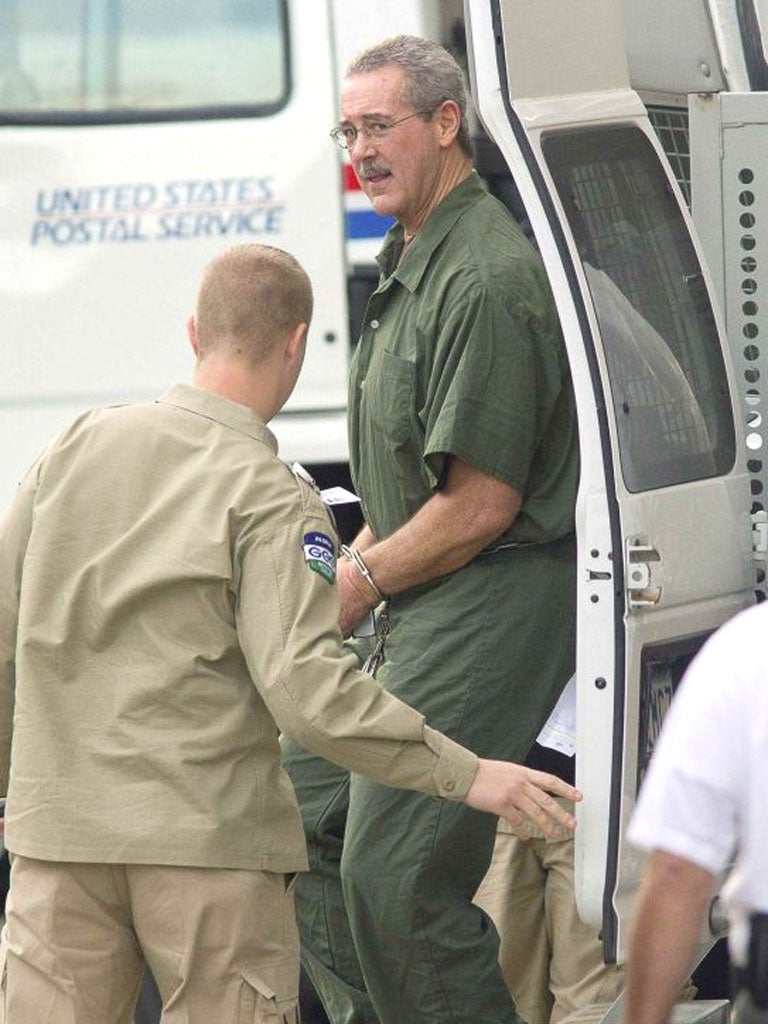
388, 929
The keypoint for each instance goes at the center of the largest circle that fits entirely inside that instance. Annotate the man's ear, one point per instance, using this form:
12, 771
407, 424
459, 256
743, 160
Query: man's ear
295, 344
448, 121
192, 334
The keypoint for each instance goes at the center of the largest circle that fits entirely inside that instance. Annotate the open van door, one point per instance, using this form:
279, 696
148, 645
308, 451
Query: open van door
664, 539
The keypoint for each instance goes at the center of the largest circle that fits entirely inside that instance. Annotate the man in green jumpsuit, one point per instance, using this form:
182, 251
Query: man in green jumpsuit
463, 448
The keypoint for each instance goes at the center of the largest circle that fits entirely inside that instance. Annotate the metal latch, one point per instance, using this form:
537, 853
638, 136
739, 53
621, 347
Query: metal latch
642, 591
759, 535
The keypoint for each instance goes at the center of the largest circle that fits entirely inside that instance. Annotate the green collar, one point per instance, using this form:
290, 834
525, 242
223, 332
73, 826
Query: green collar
415, 261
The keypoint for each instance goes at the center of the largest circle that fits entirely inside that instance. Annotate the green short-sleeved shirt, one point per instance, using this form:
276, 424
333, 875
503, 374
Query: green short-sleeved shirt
461, 354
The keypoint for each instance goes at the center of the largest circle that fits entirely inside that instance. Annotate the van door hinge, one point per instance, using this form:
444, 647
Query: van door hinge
643, 581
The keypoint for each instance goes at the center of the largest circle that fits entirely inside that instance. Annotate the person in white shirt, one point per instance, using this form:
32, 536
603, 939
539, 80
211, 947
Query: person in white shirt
702, 807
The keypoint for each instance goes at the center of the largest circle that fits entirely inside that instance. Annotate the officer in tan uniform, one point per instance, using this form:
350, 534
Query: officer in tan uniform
167, 605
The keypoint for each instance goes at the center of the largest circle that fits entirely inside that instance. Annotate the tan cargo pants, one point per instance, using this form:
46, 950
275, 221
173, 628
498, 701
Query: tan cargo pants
551, 961
222, 944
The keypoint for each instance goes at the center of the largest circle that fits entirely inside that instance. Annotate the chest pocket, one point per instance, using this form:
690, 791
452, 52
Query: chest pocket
390, 398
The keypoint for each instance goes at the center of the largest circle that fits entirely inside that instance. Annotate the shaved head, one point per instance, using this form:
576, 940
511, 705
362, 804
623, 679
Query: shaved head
249, 299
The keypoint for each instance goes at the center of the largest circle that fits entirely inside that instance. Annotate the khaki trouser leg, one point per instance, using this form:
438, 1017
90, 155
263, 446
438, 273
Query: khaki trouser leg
580, 980
512, 894
551, 960
222, 944
71, 956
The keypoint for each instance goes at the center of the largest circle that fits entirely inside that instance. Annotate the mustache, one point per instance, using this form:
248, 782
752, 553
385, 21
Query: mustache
371, 168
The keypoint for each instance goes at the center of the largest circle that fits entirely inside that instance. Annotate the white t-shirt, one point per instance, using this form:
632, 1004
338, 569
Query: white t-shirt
705, 797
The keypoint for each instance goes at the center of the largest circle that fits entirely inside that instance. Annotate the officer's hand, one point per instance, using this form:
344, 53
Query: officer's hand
355, 595
522, 794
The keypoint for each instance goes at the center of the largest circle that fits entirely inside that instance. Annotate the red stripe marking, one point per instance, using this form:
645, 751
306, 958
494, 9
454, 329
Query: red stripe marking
351, 184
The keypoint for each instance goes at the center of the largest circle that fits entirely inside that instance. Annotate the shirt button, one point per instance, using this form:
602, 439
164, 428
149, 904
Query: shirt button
374, 324
450, 785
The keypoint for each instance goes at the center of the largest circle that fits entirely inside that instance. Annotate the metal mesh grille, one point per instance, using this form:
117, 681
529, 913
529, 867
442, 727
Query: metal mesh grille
668, 387
671, 126
637, 253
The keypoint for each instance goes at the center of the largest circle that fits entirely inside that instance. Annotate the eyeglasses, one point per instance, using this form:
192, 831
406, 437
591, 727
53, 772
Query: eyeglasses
345, 136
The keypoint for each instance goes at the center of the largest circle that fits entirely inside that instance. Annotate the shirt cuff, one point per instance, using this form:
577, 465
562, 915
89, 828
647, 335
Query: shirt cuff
456, 766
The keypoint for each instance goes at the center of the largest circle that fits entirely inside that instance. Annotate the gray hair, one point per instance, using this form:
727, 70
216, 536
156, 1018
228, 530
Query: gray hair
431, 76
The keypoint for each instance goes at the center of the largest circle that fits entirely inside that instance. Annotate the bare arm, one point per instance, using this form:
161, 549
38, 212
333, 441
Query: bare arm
365, 539
447, 532
668, 918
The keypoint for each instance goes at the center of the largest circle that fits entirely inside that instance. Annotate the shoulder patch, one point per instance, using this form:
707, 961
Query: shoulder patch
320, 555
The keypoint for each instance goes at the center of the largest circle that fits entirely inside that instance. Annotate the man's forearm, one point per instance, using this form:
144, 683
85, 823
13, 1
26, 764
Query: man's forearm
668, 917
440, 539
445, 534
365, 539
427, 546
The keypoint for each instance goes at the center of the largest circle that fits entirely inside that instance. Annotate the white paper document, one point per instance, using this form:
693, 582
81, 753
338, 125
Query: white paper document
331, 495
559, 733
338, 496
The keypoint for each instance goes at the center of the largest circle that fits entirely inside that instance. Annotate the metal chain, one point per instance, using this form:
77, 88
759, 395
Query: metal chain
373, 662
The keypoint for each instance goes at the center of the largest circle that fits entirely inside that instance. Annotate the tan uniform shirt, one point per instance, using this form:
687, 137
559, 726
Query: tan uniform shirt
166, 605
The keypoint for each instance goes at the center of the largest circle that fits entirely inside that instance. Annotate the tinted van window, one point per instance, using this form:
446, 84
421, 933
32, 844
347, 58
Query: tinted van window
667, 375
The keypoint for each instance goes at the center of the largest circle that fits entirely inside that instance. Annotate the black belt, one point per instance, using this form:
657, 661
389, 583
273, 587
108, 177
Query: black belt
514, 544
